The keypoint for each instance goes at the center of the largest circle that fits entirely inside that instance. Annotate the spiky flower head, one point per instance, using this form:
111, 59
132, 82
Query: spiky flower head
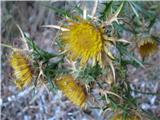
74, 91
22, 69
84, 41
147, 46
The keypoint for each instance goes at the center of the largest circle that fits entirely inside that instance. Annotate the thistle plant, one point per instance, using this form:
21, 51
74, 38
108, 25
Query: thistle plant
86, 60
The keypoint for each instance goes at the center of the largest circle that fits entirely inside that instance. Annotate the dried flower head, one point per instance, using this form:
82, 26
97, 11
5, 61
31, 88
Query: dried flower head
75, 92
147, 46
22, 69
85, 41
130, 117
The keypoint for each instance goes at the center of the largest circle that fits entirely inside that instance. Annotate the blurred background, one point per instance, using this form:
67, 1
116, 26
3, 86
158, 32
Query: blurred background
44, 104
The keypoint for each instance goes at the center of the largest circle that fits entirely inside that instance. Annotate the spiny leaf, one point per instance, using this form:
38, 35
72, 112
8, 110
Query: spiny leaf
124, 52
107, 10
134, 9
38, 52
61, 12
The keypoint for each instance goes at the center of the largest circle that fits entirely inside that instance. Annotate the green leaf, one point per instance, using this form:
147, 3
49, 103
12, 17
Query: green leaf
79, 10
39, 53
61, 11
137, 61
107, 10
134, 9
125, 53
89, 74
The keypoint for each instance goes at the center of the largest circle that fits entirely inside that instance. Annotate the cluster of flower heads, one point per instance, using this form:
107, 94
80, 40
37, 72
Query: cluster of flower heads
67, 83
84, 42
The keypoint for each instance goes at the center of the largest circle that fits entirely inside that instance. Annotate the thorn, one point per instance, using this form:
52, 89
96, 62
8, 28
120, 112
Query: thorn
84, 11
94, 8
114, 16
124, 41
23, 37
56, 27
113, 70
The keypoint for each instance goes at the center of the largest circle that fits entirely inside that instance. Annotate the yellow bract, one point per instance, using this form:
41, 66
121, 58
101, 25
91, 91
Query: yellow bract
72, 90
22, 69
84, 41
147, 47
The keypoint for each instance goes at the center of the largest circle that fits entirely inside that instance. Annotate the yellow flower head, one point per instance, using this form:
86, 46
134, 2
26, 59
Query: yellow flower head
22, 69
72, 90
130, 117
147, 47
84, 41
